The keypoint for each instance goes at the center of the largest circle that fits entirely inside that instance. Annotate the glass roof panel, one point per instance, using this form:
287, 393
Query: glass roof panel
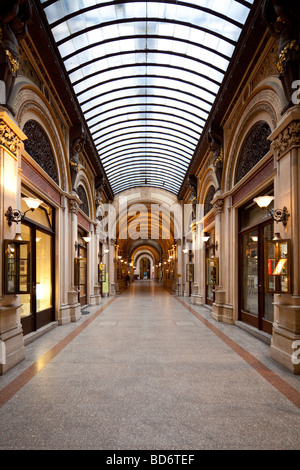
146, 75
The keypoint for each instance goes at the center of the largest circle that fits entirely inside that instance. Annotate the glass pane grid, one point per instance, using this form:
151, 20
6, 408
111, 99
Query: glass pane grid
146, 62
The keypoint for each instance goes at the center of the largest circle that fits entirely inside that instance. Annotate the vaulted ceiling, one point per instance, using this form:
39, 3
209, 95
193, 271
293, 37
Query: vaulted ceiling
146, 75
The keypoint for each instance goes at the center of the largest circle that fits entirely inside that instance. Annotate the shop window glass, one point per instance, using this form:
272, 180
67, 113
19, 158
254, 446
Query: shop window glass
43, 271
250, 273
25, 309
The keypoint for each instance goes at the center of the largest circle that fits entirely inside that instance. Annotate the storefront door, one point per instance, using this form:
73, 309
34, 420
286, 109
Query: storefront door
37, 308
255, 305
210, 253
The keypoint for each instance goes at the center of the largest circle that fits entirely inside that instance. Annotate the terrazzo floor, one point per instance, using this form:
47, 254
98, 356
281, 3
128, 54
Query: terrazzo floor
143, 371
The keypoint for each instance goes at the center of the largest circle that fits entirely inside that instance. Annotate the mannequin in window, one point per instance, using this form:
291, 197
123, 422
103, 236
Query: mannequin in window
14, 16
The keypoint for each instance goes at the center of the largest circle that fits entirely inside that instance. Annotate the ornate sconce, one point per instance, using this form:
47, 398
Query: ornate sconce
278, 215
15, 215
86, 239
215, 245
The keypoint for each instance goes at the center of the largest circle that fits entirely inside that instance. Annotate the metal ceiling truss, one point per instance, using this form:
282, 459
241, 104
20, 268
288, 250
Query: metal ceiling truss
146, 75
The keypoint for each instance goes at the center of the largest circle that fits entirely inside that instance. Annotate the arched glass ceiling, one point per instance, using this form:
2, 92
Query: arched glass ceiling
146, 75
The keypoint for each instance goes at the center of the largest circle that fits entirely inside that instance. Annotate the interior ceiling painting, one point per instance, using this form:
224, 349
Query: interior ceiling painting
146, 75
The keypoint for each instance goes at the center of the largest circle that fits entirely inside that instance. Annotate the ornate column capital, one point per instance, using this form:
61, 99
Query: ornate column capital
218, 206
288, 138
73, 206
10, 135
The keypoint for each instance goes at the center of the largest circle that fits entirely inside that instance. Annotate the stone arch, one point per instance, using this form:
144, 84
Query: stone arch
31, 105
265, 106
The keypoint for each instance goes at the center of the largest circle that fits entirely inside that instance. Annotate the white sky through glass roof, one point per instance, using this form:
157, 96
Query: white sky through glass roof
146, 75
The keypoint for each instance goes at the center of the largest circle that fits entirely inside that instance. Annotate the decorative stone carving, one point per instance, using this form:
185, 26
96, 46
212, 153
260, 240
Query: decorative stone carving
8, 138
76, 147
14, 16
215, 145
254, 149
287, 139
193, 197
39, 148
73, 206
283, 20
218, 206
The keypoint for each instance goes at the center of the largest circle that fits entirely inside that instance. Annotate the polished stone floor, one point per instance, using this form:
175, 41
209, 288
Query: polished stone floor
146, 370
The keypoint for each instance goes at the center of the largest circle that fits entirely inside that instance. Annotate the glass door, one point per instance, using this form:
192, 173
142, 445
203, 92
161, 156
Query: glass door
43, 279
256, 306
210, 253
37, 307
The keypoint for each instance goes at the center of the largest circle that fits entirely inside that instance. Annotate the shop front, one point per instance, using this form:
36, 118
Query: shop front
38, 305
255, 302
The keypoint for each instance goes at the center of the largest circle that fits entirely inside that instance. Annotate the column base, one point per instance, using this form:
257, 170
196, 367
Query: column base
75, 307
285, 342
11, 334
221, 311
64, 315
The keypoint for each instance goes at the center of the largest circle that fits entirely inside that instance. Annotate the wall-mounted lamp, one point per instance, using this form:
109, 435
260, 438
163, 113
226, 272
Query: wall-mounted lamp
15, 215
106, 251
86, 239
278, 215
277, 236
205, 238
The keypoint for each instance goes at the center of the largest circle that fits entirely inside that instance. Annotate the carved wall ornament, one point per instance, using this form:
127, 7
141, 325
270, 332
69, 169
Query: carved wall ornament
287, 139
283, 18
8, 138
74, 206
215, 140
76, 148
281, 64
218, 206
14, 17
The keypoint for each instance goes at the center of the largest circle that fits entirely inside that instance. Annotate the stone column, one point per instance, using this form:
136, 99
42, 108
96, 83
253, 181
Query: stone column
286, 327
12, 349
95, 297
221, 311
75, 309
112, 275
62, 238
